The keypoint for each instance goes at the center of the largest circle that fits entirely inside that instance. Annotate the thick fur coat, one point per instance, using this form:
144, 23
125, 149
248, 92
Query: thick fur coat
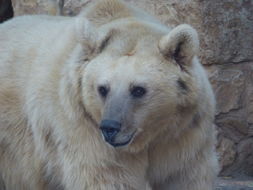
60, 77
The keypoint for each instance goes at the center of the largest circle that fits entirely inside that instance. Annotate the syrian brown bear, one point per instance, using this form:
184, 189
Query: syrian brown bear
110, 99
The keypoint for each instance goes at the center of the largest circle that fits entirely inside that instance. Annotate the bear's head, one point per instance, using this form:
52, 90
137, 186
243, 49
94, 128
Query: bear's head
138, 80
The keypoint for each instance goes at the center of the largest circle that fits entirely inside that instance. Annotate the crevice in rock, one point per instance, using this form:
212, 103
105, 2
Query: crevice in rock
235, 62
6, 10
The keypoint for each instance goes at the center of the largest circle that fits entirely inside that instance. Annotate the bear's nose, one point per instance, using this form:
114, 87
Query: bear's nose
109, 129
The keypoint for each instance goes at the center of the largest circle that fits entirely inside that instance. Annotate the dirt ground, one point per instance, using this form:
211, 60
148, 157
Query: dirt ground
235, 184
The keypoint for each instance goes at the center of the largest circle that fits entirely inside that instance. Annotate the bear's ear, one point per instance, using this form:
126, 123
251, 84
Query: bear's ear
92, 39
181, 45
86, 34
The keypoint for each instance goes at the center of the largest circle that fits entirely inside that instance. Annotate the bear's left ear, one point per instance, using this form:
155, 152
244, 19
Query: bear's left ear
181, 44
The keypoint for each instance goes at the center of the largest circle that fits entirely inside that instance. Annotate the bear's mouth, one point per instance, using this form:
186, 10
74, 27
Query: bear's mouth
120, 144
120, 141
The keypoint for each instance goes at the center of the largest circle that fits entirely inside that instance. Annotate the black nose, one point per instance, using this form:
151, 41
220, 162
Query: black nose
110, 129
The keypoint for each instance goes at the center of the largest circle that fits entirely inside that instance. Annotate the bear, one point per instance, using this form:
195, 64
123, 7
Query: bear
110, 99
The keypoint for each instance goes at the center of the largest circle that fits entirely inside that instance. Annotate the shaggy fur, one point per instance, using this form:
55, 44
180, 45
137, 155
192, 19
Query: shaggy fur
50, 108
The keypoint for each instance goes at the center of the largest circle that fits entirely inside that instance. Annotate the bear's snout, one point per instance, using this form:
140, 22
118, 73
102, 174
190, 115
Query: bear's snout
110, 129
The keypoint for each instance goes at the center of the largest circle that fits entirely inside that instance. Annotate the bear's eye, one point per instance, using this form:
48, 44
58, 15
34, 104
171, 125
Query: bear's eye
138, 91
103, 91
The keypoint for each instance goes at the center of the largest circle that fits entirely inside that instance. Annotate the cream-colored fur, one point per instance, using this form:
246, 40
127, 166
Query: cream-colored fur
50, 109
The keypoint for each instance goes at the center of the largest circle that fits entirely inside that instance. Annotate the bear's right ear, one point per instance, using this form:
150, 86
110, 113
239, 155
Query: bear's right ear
181, 45
93, 40
87, 35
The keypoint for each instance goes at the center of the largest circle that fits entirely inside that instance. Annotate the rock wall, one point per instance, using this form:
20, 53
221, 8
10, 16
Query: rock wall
226, 34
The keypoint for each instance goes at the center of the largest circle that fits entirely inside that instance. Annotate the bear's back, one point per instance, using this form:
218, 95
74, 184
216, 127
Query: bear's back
26, 39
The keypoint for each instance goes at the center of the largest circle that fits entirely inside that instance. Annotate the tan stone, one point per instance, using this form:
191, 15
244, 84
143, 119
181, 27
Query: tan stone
226, 151
22, 7
233, 127
227, 85
245, 156
250, 106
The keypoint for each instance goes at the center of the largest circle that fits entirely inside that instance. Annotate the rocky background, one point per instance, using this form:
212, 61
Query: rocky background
226, 34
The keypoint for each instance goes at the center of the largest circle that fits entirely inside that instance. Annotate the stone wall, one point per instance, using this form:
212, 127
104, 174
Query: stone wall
226, 34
